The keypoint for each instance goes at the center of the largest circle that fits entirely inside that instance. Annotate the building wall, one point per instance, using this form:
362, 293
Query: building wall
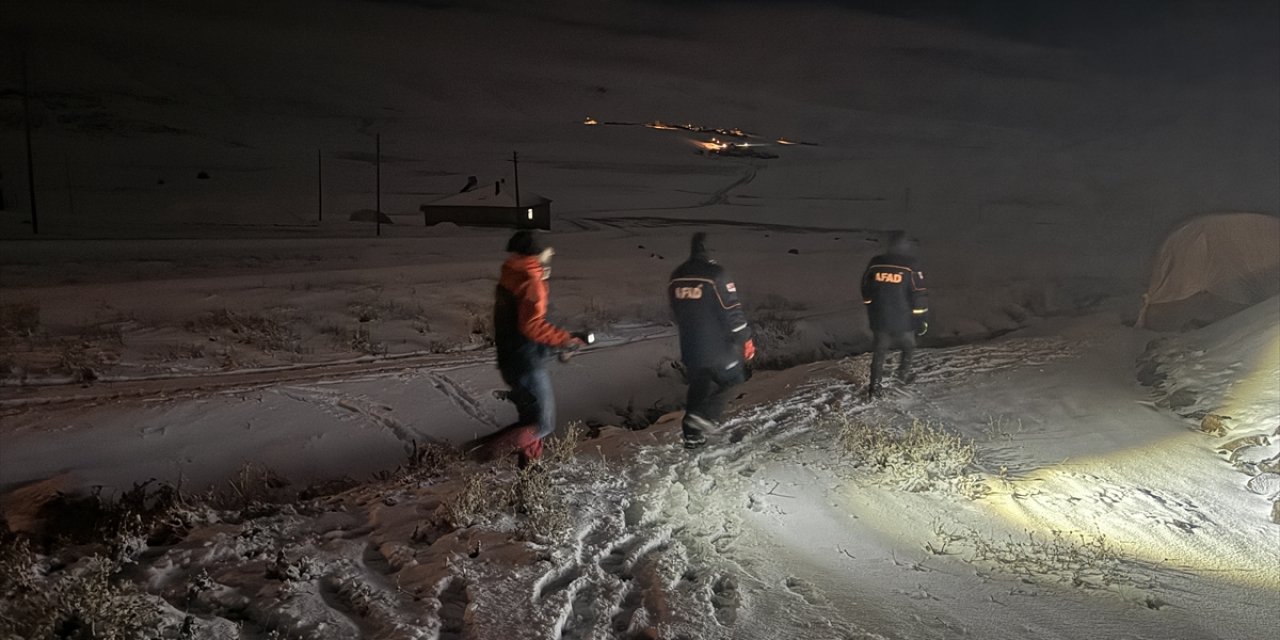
509, 217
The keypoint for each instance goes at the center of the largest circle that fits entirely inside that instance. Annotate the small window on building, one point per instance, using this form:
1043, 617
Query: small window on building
531, 214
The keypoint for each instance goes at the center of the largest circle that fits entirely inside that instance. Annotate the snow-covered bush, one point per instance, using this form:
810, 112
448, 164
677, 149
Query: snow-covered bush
1086, 561
923, 457
270, 332
533, 495
80, 601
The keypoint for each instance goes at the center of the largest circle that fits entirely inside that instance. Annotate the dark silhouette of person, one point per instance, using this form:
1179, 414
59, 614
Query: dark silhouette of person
715, 338
897, 303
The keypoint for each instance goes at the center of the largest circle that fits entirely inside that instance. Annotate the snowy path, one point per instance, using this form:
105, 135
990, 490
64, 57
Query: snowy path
307, 424
777, 535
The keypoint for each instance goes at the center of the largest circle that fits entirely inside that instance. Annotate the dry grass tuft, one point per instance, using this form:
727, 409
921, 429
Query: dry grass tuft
478, 499
270, 332
82, 600
1214, 424
19, 320
563, 448
533, 495
479, 324
1083, 561
148, 514
543, 507
253, 485
431, 458
924, 457
384, 309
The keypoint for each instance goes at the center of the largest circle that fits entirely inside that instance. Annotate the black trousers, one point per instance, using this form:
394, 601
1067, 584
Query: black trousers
709, 390
905, 341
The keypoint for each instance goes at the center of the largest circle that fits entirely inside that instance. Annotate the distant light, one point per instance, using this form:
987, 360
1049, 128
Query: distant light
531, 214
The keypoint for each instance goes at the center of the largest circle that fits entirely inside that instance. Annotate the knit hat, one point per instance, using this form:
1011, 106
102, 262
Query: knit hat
698, 246
526, 243
900, 242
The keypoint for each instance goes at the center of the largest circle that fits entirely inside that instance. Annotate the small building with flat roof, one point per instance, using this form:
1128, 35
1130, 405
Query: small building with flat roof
490, 206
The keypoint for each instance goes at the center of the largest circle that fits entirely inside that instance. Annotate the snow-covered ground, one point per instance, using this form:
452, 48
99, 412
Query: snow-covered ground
1027, 486
1087, 512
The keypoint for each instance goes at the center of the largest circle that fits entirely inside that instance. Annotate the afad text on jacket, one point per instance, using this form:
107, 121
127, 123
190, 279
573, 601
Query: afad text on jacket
713, 327
894, 291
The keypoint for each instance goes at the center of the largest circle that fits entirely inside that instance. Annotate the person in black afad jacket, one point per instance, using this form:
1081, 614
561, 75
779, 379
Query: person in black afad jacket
897, 305
715, 338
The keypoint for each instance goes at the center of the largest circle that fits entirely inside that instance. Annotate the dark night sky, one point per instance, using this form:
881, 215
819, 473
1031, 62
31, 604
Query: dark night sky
1167, 105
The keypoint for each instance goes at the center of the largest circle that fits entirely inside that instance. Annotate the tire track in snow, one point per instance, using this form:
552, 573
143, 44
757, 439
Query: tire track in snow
463, 399
721, 196
361, 406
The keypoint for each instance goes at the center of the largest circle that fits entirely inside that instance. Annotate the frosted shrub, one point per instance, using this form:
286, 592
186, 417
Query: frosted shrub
924, 457
81, 600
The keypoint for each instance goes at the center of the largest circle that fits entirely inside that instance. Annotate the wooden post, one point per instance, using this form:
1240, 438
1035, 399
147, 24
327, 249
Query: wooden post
377, 179
71, 203
319, 187
26, 119
515, 168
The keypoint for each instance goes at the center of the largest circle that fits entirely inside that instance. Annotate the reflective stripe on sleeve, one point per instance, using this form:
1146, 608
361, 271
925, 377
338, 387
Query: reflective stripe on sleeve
919, 312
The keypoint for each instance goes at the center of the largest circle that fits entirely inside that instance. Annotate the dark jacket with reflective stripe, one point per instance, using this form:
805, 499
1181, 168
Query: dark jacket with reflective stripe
894, 292
713, 327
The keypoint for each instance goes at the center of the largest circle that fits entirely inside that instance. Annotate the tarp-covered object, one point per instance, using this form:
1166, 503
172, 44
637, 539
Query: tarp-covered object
1210, 267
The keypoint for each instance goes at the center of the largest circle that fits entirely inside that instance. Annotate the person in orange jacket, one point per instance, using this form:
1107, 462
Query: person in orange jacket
525, 341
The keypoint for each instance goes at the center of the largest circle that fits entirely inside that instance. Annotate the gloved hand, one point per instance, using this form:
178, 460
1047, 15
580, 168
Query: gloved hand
578, 340
749, 350
922, 326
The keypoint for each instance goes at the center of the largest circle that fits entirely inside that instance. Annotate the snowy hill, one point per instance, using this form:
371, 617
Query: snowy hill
225, 418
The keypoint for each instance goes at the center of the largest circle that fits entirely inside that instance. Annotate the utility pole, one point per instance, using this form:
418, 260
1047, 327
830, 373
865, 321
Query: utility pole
515, 167
319, 187
26, 119
377, 173
71, 202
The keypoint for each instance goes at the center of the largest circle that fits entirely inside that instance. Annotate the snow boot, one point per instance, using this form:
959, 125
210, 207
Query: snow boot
520, 439
699, 423
694, 440
529, 452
